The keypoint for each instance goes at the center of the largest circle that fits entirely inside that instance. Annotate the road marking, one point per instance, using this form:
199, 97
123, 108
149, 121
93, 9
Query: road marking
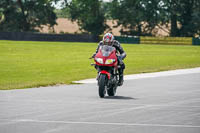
104, 123
116, 112
150, 75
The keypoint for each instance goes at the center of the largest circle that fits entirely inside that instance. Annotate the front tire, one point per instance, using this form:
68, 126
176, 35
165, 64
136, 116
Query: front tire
102, 85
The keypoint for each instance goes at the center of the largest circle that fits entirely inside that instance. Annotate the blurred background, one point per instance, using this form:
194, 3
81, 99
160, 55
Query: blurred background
179, 18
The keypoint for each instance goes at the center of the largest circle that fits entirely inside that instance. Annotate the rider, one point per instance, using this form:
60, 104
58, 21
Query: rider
108, 39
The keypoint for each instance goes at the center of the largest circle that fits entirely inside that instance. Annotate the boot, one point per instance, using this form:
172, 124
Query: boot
121, 80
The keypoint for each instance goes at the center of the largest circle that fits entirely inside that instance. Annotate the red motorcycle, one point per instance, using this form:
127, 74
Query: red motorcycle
107, 65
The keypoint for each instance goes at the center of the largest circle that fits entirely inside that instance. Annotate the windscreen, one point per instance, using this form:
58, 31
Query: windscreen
106, 50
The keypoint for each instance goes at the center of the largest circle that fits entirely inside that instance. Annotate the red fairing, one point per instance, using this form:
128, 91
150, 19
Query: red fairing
105, 72
112, 55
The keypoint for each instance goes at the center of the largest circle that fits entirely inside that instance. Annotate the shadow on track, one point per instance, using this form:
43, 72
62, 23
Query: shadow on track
119, 98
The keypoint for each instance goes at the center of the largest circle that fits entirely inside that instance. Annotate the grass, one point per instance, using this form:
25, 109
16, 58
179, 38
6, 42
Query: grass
32, 64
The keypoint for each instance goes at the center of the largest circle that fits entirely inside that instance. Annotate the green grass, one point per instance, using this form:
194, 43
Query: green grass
33, 64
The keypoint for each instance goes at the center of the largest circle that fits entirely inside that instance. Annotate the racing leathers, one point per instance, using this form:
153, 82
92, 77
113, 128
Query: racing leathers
120, 57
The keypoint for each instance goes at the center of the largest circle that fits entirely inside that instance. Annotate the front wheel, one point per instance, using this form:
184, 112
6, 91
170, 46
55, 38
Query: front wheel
102, 85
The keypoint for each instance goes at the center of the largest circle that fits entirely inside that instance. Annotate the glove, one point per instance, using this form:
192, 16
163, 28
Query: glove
120, 57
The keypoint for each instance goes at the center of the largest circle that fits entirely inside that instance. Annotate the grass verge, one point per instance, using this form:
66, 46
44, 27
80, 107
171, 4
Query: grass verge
26, 64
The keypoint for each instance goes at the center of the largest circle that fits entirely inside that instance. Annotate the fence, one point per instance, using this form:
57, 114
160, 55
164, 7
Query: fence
24, 36
134, 40
196, 41
166, 40
160, 40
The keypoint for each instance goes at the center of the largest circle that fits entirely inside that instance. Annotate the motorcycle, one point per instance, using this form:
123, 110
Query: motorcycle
107, 66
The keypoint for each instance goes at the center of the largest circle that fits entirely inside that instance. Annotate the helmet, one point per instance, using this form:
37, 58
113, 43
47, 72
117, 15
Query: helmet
108, 39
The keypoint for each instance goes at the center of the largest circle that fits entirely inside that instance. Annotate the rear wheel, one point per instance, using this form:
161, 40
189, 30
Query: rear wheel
102, 85
112, 90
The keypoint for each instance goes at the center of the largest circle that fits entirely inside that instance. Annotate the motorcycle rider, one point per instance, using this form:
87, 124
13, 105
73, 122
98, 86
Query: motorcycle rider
108, 39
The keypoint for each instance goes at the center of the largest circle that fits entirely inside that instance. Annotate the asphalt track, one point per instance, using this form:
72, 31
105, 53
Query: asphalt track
158, 104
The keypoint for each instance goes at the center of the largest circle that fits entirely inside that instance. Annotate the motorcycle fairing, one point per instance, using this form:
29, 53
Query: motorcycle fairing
105, 72
106, 52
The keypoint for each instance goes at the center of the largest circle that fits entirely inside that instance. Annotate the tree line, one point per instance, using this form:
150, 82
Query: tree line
135, 17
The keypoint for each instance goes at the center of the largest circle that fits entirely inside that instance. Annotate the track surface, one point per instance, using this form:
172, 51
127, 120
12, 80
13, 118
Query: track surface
168, 104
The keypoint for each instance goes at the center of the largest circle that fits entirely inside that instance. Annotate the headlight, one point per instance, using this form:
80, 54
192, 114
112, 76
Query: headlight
110, 61
99, 60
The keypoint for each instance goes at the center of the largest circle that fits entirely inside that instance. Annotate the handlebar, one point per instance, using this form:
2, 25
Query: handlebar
91, 57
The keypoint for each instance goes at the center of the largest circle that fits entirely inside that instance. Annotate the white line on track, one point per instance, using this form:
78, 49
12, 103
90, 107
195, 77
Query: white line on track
115, 112
150, 75
103, 123
171, 104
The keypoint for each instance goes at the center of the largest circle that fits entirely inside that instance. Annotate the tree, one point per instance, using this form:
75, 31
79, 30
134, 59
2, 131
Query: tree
137, 17
184, 16
89, 15
26, 15
1, 14
62, 13
140, 17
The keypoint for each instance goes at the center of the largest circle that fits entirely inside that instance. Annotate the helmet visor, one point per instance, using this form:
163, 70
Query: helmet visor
107, 40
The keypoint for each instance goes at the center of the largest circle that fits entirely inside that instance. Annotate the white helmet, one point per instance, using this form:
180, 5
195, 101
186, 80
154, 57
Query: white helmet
108, 39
